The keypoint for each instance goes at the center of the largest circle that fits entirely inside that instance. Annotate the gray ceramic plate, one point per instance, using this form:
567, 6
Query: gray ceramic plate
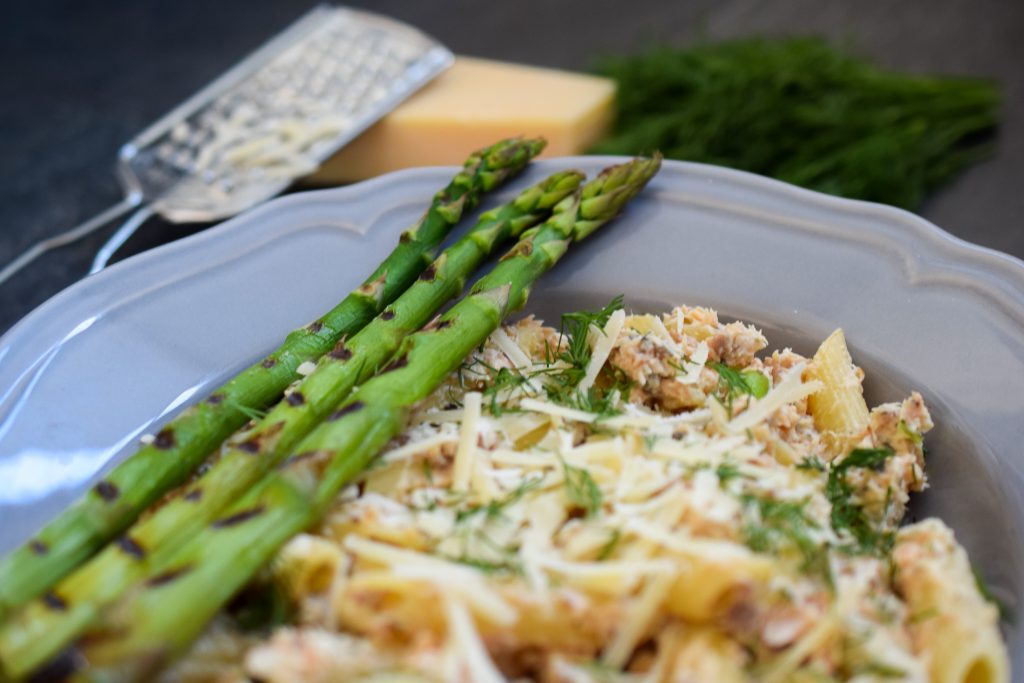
115, 355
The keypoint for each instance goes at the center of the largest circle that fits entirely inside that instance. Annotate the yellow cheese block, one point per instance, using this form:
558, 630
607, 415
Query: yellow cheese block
471, 105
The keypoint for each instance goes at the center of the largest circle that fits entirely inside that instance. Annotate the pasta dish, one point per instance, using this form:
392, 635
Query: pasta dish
641, 498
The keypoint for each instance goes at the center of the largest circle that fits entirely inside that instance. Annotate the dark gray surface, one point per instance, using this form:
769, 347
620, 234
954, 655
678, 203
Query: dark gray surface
78, 79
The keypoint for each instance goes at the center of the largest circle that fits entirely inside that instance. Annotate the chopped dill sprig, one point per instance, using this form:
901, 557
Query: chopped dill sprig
811, 463
581, 489
879, 670
734, 383
501, 383
847, 516
567, 364
496, 508
507, 565
428, 470
562, 369
608, 549
601, 402
727, 471
575, 328
868, 458
1005, 613
650, 441
910, 433
775, 526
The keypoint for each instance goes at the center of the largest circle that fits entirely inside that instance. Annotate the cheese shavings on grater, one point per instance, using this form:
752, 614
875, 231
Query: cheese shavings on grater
271, 119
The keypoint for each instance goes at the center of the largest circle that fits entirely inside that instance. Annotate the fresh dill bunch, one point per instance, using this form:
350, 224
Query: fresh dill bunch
802, 111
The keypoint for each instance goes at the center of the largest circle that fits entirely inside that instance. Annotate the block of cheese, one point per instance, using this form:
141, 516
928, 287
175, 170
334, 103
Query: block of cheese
471, 105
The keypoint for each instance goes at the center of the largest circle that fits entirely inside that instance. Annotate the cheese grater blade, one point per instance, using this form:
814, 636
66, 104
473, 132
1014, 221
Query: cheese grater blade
272, 118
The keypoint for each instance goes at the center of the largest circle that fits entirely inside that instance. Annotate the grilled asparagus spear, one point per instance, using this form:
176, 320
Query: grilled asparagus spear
180, 446
37, 632
159, 618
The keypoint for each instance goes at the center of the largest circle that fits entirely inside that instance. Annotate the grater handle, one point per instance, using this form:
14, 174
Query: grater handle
120, 237
76, 233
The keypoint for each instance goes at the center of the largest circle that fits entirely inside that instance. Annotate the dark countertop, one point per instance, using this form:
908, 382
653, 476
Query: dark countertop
79, 79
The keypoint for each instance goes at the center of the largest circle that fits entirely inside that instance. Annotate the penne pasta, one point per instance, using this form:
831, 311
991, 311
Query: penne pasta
953, 627
838, 407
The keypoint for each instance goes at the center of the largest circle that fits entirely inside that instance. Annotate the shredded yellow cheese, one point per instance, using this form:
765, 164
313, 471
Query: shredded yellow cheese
465, 456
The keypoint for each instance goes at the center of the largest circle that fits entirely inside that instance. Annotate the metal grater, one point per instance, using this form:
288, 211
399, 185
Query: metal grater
272, 118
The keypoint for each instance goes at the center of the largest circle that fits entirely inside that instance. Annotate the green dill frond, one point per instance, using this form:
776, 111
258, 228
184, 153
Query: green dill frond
868, 458
602, 403
811, 463
733, 383
608, 549
508, 565
1005, 613
775, 526
495, 508
908, 432
575, 327
502, 382
726, 471
650, 441
847, 516
581, 489
565, 368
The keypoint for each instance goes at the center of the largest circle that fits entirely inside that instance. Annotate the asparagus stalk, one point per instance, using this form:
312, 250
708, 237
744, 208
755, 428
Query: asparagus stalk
38, 631
159, 618
110, 506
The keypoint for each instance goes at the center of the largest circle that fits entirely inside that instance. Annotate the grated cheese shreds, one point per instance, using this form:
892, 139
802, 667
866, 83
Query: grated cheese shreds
465, 456
306, 368
696, 364
791, 389
699, 547
608, 577
556, 410
470, 648
602, 347
511, 349
685, 533
519, 359
469, 588
414, 447
638, 620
